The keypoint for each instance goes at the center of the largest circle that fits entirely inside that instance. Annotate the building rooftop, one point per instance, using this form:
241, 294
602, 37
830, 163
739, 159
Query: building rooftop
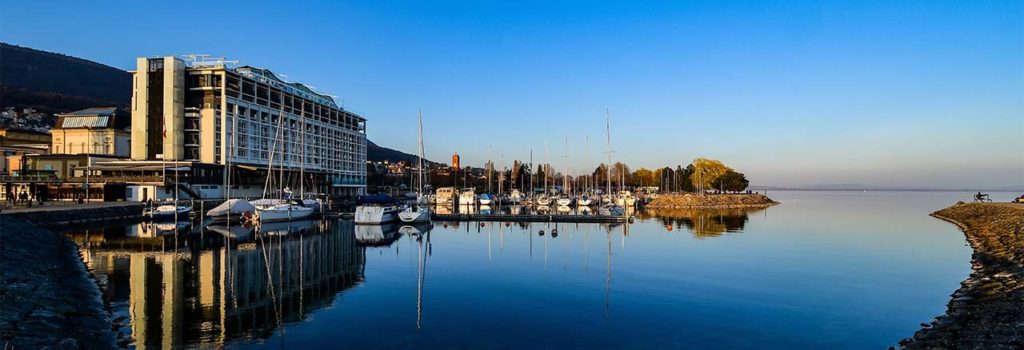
97, 117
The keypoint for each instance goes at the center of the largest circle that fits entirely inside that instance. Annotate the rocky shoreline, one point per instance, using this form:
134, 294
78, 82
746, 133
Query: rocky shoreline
710, 201
49, 300
987, 311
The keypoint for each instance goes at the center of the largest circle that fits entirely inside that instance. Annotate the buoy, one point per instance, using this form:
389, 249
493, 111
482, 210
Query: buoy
446, 225
669, 227
508, 223
541, 232
482, 224
554, 233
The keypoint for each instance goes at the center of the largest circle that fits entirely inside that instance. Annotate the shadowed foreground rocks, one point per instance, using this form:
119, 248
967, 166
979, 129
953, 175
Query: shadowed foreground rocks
47, 299
987, 312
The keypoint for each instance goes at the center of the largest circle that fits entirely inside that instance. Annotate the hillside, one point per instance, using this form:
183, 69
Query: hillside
375, 153
52, 82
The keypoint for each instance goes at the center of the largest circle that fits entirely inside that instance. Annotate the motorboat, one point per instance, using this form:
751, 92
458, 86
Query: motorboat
376, 214
467, 196
485, 209
415, 214
445, 195
376, 210
486, 199
167, 212
563, 209
286, 211
233, 210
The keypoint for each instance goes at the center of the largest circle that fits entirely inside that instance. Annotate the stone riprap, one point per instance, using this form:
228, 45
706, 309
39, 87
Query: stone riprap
987, 311
47, 298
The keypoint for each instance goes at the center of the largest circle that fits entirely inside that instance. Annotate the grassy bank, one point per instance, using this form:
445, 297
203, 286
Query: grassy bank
715, 201
987, 312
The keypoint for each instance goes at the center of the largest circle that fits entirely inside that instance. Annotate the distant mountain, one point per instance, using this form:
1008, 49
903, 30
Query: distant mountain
52, 82
863, 187
375, 153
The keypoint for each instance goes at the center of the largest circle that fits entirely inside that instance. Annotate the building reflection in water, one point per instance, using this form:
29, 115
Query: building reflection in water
208, 286
703, 223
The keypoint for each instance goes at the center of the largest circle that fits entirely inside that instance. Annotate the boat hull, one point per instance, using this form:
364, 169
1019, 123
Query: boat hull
375, 215
414, 216
289, 213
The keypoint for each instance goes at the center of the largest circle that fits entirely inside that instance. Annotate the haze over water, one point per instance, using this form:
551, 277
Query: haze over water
823, 269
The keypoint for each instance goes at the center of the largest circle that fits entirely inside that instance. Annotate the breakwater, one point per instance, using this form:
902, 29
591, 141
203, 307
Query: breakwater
710, 201
49, 299
987, 311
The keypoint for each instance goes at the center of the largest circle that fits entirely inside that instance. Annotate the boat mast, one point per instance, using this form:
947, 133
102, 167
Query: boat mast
546, 167
302, 161
490, 168
420, 156
565, 168
608, 132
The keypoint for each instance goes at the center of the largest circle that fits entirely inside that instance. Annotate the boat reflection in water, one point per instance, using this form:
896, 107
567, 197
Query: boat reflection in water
224, 284
376, 235
703, 223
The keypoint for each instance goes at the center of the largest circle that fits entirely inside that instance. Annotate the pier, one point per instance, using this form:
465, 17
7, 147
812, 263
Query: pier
531, 218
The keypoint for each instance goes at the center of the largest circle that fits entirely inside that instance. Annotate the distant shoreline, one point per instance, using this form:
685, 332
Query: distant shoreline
762, 189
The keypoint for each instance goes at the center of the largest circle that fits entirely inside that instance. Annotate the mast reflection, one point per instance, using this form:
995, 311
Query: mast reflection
206, 287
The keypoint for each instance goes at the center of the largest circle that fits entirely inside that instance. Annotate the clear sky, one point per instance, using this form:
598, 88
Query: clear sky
887, 93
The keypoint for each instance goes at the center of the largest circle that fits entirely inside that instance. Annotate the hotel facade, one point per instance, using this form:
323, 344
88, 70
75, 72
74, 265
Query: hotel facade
247, 120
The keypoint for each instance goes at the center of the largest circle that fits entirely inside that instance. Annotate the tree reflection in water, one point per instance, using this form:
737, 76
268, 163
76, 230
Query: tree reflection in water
703, 223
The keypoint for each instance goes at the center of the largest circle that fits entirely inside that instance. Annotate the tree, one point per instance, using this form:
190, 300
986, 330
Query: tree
706, 171
685, 178
643, 177
731, 181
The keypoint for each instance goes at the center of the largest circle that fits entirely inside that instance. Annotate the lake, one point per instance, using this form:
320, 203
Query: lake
835, 269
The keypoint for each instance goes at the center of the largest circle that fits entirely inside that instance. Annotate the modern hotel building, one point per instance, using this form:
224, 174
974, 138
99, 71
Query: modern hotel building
198, 112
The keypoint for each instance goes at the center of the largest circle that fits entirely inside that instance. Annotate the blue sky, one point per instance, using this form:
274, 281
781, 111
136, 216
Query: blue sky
904, 93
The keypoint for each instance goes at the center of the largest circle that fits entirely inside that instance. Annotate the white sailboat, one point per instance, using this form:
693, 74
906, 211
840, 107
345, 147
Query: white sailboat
610, 208
419, 212
280, 209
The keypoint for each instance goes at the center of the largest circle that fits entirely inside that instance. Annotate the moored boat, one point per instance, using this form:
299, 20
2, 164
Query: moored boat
233, 210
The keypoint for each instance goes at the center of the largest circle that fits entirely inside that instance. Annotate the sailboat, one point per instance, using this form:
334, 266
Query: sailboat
544, 200
169, 212
284, 208
610, 208
420, 212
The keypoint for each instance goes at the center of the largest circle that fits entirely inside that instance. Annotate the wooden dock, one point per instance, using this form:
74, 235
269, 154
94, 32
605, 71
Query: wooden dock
530, 218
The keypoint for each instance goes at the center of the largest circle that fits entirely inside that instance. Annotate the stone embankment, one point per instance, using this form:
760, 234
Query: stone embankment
987, 312
47, 298
710, 201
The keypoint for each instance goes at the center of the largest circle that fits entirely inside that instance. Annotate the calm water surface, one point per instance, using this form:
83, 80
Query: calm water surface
823, 269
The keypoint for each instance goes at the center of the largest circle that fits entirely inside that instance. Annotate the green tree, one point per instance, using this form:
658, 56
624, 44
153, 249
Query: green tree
731, 181
706, 171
